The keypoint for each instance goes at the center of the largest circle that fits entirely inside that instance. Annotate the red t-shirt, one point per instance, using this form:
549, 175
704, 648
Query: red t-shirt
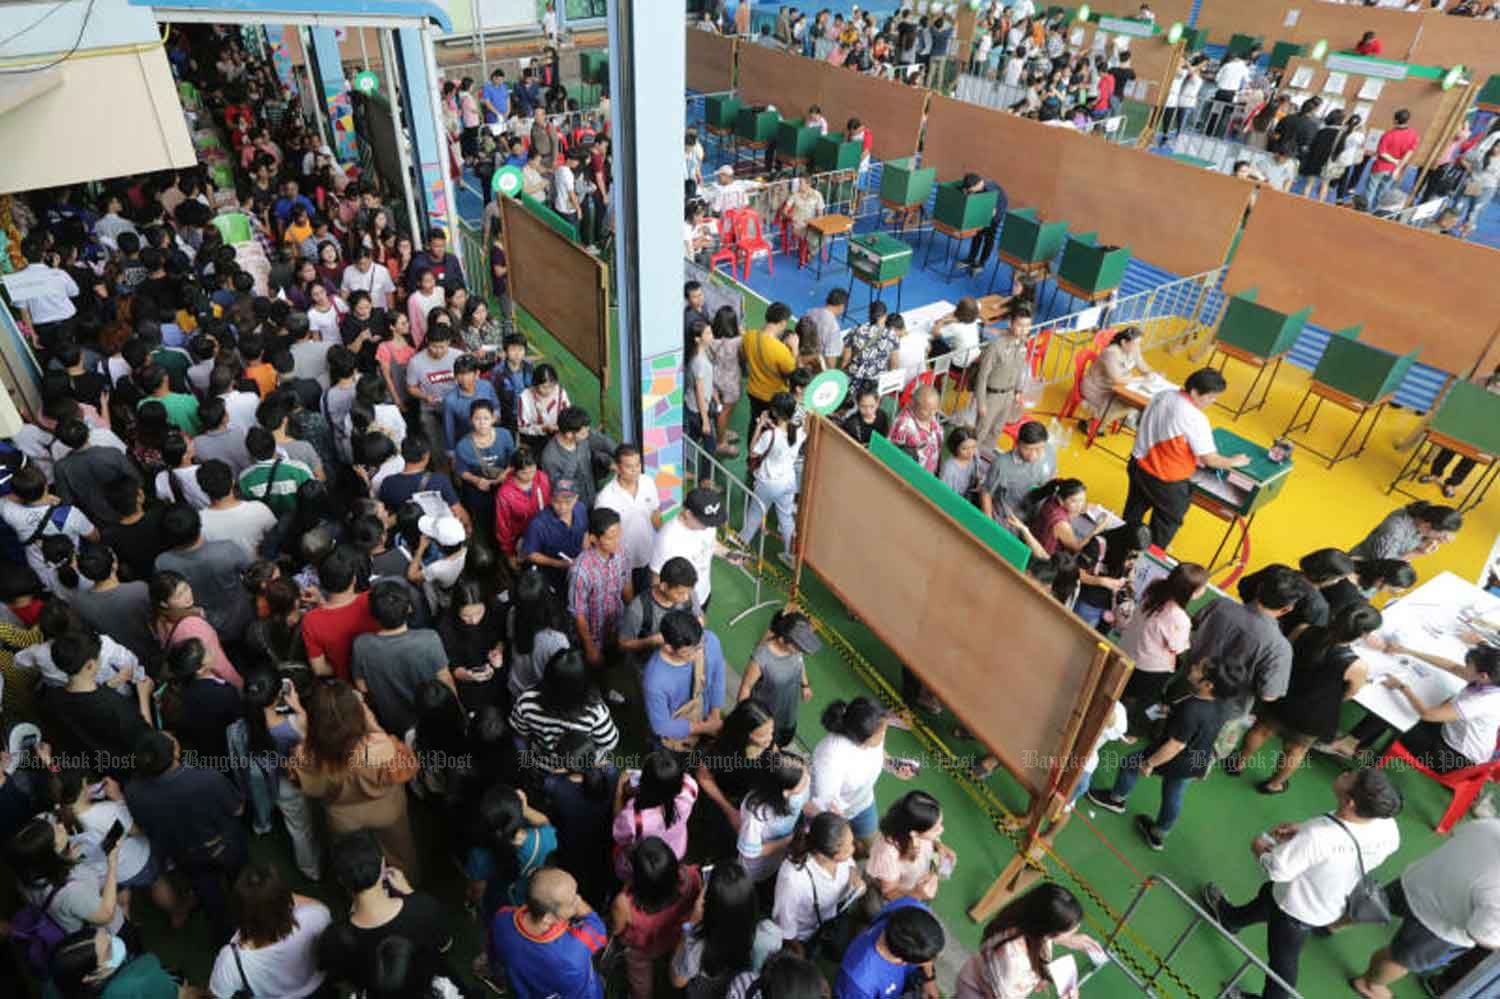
1106, 91
330, 632
1396, 143
1370, 48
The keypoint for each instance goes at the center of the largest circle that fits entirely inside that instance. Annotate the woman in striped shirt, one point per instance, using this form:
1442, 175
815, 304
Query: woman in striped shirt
565, 701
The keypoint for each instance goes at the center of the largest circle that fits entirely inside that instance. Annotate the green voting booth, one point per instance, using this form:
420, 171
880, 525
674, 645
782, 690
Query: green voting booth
757, 127
1236, 495
721, 111
1090, 272
795, 142
1467, 422
958, 215
1257, 336
1029, 245
831, 152
593, 67
1356, 377
1240, 45
879, 261
904, 189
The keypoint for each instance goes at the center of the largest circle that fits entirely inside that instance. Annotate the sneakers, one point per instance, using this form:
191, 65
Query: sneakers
1214, 902
1107, 801
615, 697
1154, 839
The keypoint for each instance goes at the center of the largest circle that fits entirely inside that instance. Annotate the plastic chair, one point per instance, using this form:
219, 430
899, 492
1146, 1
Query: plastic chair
1075, 394
726, 251
1465, 784
790, 242
750, 241
234, 227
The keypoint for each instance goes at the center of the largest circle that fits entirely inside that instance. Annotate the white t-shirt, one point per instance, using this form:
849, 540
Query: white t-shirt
287, 969
245, 524
187, 481
23, 520
562, 183
1173, 434
1473, 734
79, 898
1454, 891
1232, 75
694, 544
326, 321
964, 339
799, 889
377, 281
1315, 870
637, 535
135, 851
911, 353
844, 775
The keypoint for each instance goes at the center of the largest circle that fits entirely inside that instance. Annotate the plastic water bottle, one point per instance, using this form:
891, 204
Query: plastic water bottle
1060, 434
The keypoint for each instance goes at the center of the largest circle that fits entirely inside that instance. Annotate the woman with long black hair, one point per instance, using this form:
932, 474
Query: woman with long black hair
648, 915
512, 840
1017, 945
473, 634
727, 935
536, 629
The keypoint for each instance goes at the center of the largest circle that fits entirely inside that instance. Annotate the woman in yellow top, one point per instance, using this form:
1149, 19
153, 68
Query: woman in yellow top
770, 355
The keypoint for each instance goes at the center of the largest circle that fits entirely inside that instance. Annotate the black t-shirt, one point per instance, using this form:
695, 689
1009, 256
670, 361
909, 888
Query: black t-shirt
1195, 723
200, 712
857, 428
88, 388
398, 488
1341, 594
96, 721
1123, 75
185, 808
1310, 609
421, 920
468, 646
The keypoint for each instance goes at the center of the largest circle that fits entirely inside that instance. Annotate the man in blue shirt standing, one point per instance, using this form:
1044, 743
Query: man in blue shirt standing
495, 98
554, 537
547, 946
468, 387
526, 95
683, 684
893, 954
984, 240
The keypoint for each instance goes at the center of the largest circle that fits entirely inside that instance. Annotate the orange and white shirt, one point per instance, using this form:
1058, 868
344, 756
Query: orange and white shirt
1172, 436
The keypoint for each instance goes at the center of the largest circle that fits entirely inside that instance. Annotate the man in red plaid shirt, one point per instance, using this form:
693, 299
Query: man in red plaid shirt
599, 586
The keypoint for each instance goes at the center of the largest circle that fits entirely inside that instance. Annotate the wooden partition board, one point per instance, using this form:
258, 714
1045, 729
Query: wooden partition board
1354, 268
789, 82
1459, 41
1023, 156
1118, 191
1339, 24
891, 110
557, 282
1020, 701
710, 62
1430, 105
1092, 184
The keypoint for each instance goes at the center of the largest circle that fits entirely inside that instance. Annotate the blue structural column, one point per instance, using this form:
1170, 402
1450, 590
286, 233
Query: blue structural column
334, 91
648, 88
419, 89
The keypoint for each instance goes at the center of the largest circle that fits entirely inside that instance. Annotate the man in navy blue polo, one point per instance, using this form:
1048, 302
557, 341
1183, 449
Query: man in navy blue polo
546, 948
554, 537
984, 240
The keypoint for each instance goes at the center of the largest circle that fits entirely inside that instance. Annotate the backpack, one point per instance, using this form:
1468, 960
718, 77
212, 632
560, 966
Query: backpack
1446, 180
37, 934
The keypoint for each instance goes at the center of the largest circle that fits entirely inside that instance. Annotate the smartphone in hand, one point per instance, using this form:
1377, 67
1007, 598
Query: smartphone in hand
112, 838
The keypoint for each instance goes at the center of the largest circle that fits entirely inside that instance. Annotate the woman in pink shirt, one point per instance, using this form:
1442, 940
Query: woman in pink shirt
653, 801
1157, 634
176, 618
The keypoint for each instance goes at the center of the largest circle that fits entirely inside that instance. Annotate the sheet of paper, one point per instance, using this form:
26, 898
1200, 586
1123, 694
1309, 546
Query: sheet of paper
1302, 78
1335, 83
1064, 975
1370, 89
1291, 19
1075, 39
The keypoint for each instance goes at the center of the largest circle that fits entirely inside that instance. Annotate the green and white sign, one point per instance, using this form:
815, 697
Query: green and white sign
367, 82
1174, 33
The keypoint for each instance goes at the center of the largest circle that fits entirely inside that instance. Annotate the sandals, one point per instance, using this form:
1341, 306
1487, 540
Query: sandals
1265, 787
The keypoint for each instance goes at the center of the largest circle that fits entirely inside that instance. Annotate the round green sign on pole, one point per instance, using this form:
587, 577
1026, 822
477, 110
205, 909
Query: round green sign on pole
1174, 33
825, 392
974, 4
1452, 77
507, 181
1319, 49
366, 82
1083, 12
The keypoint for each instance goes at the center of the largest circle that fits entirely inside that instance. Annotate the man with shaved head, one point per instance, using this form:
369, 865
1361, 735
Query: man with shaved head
547, 946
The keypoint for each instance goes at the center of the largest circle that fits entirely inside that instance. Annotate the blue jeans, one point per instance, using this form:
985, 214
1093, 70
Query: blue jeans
1172, 791
1082, 788
1376, 186
1469, 207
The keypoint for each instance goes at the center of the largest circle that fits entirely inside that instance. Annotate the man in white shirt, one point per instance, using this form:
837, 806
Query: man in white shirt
691, 534
1449, 901
1233, 74
227, 517
633, 496
565, 190
46, 292
366, 275
1312, 867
